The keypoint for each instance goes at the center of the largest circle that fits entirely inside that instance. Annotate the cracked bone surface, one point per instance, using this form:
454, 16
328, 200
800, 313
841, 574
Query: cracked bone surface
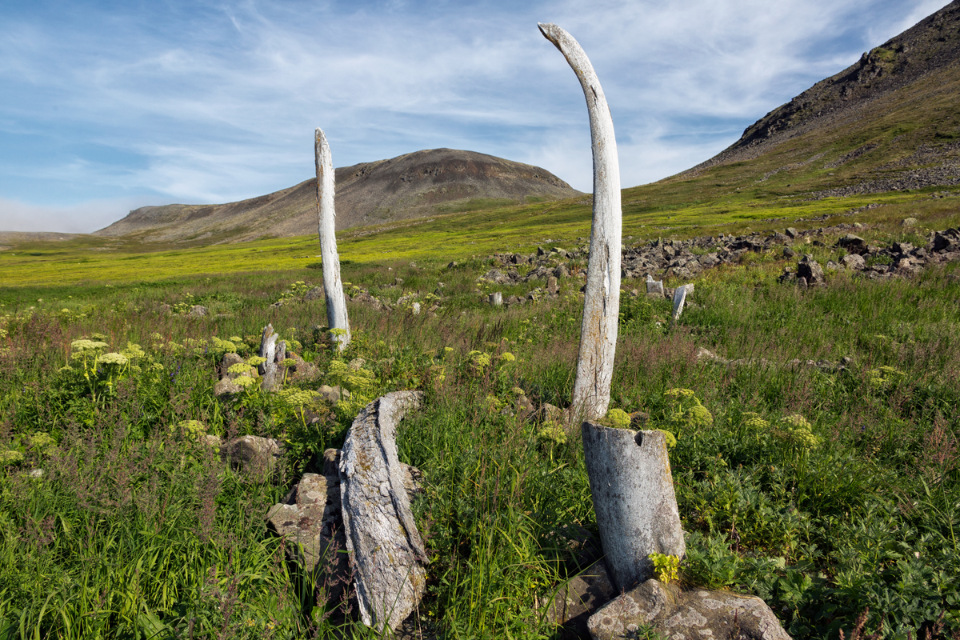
326, 214
387, 552
601, 304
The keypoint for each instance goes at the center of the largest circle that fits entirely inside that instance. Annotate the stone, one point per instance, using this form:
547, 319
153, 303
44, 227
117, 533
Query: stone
853, 244
791, 232
229, 359
415, 308
634, 500
654, 287
389, 558
301, 369
198, 310
692, 615
226, 387
574, 602
316, 293
854, 262
553, 286
330, 394
810, 270
253, 456
309, 517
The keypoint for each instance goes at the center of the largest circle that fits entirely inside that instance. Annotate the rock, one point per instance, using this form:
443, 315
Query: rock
253, 456
853, 244
634, 499
553, 286
212, 441
854, 262
944, 241
331, 462
389, 558
198, 310
691, 615
330, 394
810, 271
791, 232
654, 287
316, 293
909, 222
415, 308
788, 252
577, 599
301, 369
226, 387
229, 359
310, 518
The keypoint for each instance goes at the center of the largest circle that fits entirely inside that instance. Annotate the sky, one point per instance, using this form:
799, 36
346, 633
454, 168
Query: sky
110, 105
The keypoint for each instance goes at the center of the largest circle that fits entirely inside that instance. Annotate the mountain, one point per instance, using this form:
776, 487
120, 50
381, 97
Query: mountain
413, 185
893, 115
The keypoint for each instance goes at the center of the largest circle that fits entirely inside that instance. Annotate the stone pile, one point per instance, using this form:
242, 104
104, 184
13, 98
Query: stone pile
898, 259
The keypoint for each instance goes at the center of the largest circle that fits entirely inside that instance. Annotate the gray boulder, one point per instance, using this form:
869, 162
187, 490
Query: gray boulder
252, 455
690, 615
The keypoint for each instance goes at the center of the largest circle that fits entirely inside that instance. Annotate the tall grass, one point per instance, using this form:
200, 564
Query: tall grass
136, 529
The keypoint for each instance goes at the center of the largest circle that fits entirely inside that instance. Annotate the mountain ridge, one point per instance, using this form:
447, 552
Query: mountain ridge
408, 186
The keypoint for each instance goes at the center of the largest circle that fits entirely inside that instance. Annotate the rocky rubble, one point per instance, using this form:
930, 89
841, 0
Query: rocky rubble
685, 259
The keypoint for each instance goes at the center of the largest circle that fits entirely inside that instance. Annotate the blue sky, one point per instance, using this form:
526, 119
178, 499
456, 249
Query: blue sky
109, 105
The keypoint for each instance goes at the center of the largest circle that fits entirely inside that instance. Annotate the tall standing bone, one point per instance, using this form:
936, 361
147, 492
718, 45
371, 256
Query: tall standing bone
601, 302
629, 472
332, 285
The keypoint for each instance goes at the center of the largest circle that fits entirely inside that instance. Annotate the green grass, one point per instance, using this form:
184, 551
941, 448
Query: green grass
134, 529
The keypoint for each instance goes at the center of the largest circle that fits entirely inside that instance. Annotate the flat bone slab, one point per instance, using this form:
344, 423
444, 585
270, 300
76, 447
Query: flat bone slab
382, 539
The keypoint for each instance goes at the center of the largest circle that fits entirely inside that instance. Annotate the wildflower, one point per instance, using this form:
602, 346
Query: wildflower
884, 378
552, 432
506, 357
254, 361
244, 381
133, 351
42, 443
112, 358
298, 397
753, 421
189, 428
240, 369
83, 345
669, 437
617, 419
796, 430
10, 457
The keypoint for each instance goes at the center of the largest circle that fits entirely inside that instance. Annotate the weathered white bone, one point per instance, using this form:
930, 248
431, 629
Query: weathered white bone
601, 303
386, 549
332, 285
633, 496
679, 298
273, 352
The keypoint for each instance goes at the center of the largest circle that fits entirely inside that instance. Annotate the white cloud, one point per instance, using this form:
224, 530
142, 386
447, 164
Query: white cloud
84, 217
222, 105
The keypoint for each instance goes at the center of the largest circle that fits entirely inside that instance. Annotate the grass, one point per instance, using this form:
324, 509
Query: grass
832, 493
135, 528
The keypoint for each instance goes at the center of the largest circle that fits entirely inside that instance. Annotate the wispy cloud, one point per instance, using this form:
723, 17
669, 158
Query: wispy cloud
210, 101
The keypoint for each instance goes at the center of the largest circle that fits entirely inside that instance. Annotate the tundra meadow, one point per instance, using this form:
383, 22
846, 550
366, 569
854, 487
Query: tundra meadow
830, 489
